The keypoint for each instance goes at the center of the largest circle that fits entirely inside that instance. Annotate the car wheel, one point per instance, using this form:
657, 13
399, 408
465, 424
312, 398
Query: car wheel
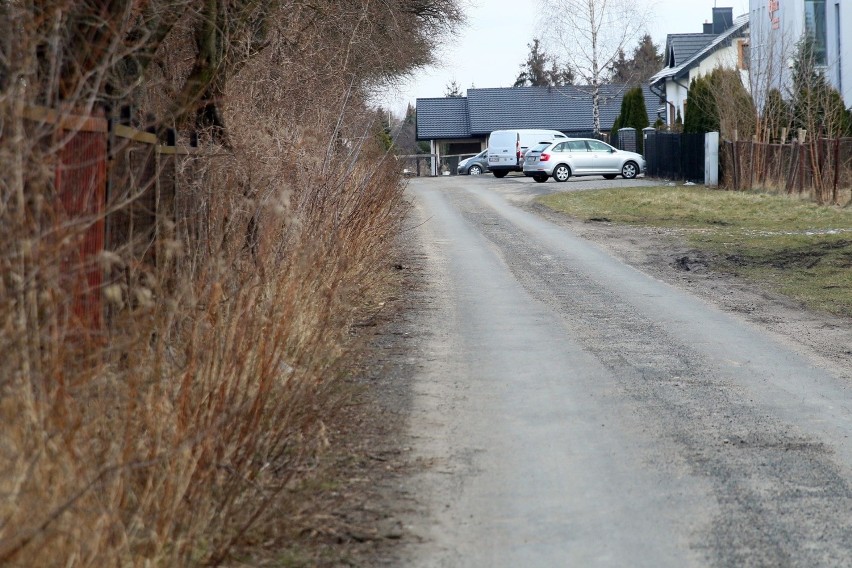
475, 170
540, 178
630, 170
561, 172
609, 176
500, 174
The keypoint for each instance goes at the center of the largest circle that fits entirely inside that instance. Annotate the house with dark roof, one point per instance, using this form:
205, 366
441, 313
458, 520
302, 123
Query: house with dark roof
461, 125
723, 43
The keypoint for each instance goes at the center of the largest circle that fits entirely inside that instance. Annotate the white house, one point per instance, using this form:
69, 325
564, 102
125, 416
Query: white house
778, 25
723, 43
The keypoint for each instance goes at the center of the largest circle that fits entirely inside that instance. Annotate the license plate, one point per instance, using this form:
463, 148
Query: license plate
493, 158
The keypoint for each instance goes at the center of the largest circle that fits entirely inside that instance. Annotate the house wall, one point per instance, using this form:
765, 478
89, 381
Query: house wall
839, 28
726, 58
677, 91
676, 94
776, 27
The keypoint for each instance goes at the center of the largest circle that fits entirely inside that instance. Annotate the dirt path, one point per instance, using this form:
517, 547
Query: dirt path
544, 403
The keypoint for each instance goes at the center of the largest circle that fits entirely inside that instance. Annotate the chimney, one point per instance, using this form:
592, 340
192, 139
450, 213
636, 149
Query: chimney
723, 18
708, 28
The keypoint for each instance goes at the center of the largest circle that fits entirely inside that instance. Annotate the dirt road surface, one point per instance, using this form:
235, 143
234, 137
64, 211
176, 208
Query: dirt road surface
570, 409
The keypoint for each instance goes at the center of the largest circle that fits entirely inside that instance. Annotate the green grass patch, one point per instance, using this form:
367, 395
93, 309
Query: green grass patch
796, 247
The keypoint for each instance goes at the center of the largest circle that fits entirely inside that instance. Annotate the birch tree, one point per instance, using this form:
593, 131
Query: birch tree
590, 35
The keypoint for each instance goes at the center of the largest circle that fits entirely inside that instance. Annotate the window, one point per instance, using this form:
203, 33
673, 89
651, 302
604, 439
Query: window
597, 146
743, 55
577, 146
815, 28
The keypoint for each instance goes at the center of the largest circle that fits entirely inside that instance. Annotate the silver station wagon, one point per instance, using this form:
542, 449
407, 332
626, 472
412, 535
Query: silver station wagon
581, 157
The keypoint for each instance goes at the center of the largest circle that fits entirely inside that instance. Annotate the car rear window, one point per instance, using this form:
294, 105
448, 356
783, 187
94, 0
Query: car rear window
540, 147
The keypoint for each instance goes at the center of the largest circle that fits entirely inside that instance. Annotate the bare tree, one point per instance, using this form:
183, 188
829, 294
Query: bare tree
590, 35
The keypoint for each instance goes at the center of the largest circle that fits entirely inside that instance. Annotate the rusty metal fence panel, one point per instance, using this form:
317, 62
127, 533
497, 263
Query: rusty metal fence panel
116, 189
80, 183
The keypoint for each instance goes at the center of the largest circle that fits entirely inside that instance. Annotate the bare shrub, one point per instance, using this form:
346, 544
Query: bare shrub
171, 431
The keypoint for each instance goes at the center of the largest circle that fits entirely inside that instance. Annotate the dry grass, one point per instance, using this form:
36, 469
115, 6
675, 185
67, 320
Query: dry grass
174, 432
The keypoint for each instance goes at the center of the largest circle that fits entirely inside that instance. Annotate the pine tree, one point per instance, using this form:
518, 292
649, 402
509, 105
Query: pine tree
644, 62
542, 70
453, 90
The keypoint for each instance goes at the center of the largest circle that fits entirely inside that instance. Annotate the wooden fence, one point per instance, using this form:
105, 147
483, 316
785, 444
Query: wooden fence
820, 169
120, 189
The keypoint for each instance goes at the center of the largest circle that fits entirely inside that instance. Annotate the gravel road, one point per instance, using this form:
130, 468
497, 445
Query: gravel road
571, 410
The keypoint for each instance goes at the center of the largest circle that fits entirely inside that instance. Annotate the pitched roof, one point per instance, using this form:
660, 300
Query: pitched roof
445, 117
680, 47
567, 109
717, 41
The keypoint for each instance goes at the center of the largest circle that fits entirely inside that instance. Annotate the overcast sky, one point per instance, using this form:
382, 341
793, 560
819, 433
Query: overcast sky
490, 48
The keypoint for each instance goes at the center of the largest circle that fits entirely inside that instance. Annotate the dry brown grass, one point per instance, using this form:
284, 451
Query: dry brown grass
176, 430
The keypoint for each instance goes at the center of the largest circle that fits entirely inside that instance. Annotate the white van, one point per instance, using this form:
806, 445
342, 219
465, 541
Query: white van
506, 148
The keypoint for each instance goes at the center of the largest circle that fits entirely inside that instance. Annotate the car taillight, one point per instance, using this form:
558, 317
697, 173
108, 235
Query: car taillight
544, 157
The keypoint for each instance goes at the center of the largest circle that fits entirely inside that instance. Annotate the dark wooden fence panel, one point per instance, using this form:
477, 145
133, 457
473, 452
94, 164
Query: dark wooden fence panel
820, 170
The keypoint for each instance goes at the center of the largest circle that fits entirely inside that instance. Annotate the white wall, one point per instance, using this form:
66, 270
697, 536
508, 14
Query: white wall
723, 57
840, 46
773, 50
675, 95
726, 57
773, 45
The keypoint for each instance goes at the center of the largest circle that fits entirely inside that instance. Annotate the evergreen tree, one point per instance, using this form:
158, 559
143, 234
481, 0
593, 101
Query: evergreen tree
542, 70
638, 116
645, 61
620, 120
633, 114
719, 103
621, 70
453, 90
702, 114
383, 129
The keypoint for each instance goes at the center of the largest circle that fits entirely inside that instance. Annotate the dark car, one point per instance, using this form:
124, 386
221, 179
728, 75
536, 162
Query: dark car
475, 165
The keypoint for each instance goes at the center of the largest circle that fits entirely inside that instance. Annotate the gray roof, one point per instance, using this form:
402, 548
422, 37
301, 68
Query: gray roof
680, 47
445, 117
716, 41
567, 109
